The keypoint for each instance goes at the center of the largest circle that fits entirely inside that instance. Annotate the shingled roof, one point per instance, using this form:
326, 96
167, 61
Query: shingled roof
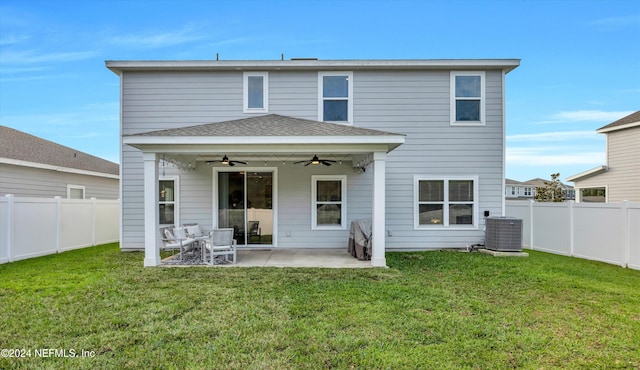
18, 145
624, 121
269, 125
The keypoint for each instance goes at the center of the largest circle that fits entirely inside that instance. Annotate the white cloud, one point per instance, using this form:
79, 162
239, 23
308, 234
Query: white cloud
544, 156
13, 39
158, 40
626, 20
31, 56
553, 136
588, 115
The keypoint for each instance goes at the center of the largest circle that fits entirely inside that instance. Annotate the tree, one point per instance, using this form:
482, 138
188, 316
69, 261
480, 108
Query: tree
551, 191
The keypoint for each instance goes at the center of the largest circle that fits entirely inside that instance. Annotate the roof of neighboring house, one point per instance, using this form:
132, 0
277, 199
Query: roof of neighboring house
629, 121
512, 182
587, 173
311, 64
269, 125
17, 147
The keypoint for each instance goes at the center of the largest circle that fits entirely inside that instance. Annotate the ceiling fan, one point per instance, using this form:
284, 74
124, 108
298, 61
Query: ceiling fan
225, 160
316, 160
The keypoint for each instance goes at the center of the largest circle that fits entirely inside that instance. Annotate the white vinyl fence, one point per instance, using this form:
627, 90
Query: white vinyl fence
31, 227
607, 232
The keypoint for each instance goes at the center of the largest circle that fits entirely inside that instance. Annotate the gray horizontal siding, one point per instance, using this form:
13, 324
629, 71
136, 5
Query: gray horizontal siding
414, 103
42, 183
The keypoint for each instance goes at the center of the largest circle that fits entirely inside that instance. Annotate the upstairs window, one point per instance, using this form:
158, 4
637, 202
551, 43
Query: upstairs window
256, 92
467, 98
335, 92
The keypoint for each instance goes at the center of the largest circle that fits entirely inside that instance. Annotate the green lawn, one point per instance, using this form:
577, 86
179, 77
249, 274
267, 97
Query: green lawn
428, 310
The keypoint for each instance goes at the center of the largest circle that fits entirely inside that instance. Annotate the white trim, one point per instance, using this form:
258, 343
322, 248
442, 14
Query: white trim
269, 140
445, 64
503, 162
265, 92
321, 97
343, 202
616, 128
445, 202
274, 198
80, 187
454, 98
175, 202
587, 173
17, 162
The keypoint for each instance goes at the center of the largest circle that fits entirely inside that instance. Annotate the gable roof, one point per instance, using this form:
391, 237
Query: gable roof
20, 148
271, 129
629, 121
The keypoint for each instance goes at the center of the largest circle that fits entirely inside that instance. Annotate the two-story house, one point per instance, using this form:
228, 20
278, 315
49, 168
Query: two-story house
306, 146
526, 190
619, 179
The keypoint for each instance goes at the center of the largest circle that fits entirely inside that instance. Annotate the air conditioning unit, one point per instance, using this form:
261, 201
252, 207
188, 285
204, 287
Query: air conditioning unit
503, 234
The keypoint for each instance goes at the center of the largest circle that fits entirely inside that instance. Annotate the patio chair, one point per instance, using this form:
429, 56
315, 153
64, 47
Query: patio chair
195, 232
255, 230
221, 243
176, 238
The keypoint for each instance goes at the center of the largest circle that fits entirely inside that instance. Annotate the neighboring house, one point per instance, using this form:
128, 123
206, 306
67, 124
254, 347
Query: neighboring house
619, 179
415, 145
516, 190
34, 167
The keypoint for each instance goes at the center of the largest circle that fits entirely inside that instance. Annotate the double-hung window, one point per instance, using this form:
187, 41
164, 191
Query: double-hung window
335, 97
329, 202
167, 201
467, 98
256, 92
445, 202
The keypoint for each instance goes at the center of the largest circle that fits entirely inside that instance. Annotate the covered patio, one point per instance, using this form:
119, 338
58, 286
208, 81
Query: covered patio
272, 140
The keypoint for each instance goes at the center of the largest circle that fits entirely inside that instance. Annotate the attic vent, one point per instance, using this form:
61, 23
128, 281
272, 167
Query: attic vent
503, 234
304, 58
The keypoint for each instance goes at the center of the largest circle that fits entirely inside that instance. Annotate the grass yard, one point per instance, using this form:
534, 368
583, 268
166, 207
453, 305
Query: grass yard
428, 310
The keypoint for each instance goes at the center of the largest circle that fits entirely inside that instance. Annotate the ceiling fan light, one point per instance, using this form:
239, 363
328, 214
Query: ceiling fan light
225, 160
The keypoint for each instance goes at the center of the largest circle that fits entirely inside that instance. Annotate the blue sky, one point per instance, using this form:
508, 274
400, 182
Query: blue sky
580, 66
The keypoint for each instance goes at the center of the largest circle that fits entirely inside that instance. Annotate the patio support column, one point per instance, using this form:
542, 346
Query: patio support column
378, 212
151, 250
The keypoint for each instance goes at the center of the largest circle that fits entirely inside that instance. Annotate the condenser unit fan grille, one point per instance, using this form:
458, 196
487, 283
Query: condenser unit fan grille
503, 234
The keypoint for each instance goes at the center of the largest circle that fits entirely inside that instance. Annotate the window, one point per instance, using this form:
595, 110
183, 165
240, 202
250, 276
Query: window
256, 92
598, 194
513, 190
445, 202
167, 201
527, 192
467, 98
335, 92
75, 192
329, 208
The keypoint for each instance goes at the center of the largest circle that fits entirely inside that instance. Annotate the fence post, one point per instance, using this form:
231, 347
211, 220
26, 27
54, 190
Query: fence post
10, 221
93, 221
531, 223
58, 222
626, 229
572, 229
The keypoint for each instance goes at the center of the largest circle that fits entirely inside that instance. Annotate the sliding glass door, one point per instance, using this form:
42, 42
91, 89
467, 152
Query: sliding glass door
245, 203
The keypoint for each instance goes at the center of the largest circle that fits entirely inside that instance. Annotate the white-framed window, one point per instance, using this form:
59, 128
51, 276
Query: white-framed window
256, 92
328, 202
168, 201
513, 191
335, 97
528, 192
467, 98
75, 191
445, 202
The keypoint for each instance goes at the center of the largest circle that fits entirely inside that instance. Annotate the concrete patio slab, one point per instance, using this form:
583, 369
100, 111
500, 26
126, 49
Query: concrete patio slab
325, 258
